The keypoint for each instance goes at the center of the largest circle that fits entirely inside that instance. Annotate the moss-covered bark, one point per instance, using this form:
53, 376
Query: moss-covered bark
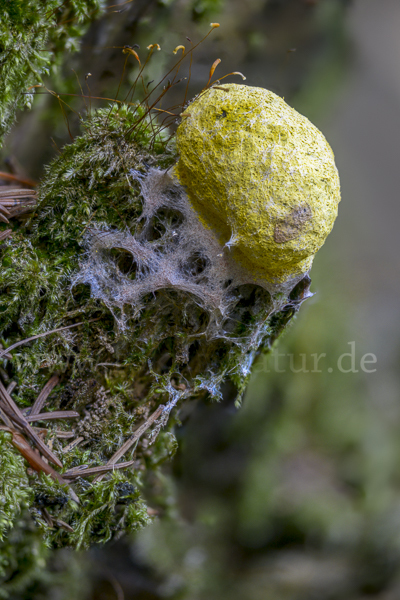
127, 348
33, 37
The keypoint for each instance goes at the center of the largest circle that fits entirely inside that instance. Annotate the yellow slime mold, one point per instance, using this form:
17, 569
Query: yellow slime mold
261, 176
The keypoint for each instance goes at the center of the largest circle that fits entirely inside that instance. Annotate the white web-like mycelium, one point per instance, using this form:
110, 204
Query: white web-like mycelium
170, 249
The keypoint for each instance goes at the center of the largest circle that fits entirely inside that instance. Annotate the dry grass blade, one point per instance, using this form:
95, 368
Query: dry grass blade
97, 470
6, 420
75, 470
34, 459
57, 414
15, 202
44, 394
137, 434
3, 236
4, 210
23, 180
10, 193
8, 356
56, 432
11, 387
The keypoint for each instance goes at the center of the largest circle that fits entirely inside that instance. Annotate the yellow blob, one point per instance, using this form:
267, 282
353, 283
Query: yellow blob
261, 176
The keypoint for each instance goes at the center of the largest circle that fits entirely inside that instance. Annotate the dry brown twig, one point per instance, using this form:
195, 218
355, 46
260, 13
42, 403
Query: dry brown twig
23, 180
13, 412
44, 394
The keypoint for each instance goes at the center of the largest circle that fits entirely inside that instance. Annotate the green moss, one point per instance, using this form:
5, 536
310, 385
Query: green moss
23, 557
15, 493
33, 37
